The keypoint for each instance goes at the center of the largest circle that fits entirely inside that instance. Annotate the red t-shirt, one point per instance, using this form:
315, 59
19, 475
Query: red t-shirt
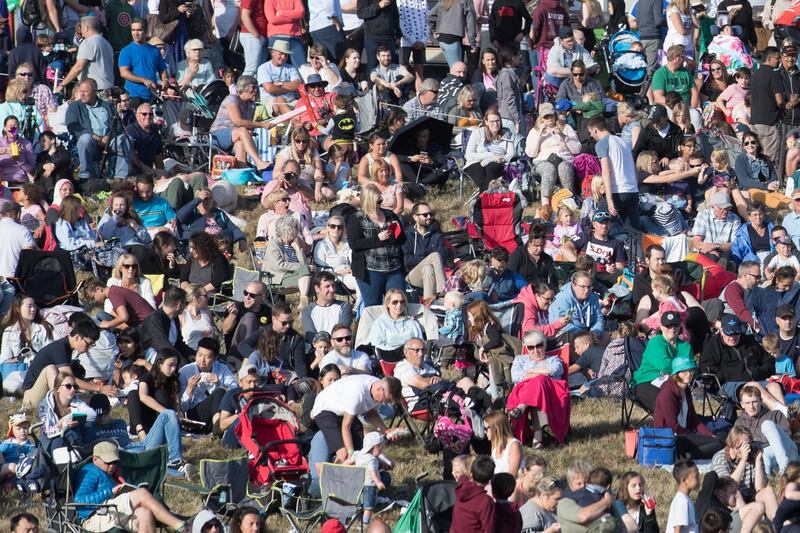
137, 307
256, 8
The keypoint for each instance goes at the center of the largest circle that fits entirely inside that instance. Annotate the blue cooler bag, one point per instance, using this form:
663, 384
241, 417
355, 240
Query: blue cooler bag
656, 447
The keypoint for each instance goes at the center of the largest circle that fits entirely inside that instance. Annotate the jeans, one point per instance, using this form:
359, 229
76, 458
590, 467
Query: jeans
452, 52
229, 438
253, 52
297, 47
377, 283
334, 41
118, 160
7, 290
781, 449
166, 429
319, 453
371, 45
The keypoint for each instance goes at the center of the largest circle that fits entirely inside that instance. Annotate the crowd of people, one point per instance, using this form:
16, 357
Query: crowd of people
364, 306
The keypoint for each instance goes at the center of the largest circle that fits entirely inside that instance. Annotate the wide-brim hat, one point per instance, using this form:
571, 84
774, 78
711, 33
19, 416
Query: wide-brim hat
315, 80
281, 46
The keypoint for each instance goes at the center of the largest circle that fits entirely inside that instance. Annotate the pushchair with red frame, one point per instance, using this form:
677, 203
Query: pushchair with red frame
268, 429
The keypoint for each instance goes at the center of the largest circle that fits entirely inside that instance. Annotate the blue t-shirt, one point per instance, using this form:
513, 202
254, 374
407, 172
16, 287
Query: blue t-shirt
155, 213
784, 366
145, 61
12, 451
269, 72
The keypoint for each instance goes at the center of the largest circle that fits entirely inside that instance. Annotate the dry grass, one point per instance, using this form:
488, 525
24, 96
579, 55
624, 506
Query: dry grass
595, 436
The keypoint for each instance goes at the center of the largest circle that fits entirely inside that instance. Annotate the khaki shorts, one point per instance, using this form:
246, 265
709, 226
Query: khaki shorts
121, 517
33, 396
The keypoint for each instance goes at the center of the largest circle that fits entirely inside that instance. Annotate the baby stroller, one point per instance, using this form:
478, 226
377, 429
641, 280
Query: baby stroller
268, 429
628, 69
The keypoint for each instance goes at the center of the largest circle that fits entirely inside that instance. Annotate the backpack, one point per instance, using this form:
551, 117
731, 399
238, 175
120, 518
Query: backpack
34, 472
454, 437
31, 14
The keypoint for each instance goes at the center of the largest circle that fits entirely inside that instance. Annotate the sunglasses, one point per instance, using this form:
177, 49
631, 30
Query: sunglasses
535, 346
716, 69
343, 338
130, 266
428, 214
147, 114
578, 74
397, 302
284, 322
300, 141
251, 294
68, 386
25, 74
335, 226
750, 143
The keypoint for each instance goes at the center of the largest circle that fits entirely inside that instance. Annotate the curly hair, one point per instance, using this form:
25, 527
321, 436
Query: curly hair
268, 345
205, 246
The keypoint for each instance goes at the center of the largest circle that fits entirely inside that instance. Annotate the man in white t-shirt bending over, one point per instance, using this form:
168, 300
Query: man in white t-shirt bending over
337, 408
618, 171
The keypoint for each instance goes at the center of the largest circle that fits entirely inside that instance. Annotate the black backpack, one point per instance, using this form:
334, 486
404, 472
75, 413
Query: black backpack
31, 13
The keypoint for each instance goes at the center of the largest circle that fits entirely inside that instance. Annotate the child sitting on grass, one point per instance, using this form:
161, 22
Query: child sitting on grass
15, 446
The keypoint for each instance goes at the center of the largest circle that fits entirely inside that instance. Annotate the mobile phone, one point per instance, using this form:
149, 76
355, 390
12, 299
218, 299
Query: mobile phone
394, 229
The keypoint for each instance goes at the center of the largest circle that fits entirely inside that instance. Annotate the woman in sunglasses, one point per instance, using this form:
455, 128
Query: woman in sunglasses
394, 327
711, 87
61, 411
332, 253
127, 274
756, 172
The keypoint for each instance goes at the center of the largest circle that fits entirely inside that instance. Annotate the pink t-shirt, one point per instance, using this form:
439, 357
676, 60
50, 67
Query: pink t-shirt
734, 95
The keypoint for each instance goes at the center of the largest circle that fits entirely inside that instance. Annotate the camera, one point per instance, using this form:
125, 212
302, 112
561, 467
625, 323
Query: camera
755, 447
115, 93
191, 4
290, 177
29, 101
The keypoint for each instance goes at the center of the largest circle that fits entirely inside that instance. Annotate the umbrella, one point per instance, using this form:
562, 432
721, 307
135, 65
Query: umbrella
405, 139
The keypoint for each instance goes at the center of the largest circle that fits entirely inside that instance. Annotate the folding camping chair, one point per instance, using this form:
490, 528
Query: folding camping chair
409, 416
341, 487
223, 485
634, 349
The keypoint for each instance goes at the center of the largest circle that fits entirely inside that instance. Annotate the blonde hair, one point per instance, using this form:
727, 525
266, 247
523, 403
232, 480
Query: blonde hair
771, 343
193, 291
664, 284
563, 209
274, 197
14, 90
378, 165
388, 297
369, 198
624, 109
473, 272
501, 430
681, 109
466, 90
720, 157
116, 272
597, 183
682, 5
455, 298
644, 162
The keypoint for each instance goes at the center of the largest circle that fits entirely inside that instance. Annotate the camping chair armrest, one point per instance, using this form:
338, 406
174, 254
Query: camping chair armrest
191, 487
345, 503
708, 378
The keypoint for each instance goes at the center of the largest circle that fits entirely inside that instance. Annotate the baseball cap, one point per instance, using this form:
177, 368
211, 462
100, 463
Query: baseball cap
784, 239
657, 112
721, 200
372, 439
100, 404
601, 216
731, 325
565, 31
546, 109
785, 310
106, 451
670, 318
246, 369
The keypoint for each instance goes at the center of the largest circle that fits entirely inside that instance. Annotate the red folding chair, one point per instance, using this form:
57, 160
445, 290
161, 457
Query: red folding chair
409, 417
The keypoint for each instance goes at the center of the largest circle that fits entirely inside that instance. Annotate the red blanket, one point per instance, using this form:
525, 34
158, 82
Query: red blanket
551, 396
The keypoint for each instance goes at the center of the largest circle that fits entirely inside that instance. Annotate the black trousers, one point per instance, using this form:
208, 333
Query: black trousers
331, 427
483, 175
627, 205
646, 393
205, 410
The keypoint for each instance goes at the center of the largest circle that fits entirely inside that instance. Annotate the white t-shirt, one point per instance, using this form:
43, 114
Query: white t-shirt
348, 395
681, 513
405, 371
358, 360
325, 317
15, 238
620, 157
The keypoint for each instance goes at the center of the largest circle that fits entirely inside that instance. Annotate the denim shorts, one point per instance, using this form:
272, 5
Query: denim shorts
369, 496
223, 139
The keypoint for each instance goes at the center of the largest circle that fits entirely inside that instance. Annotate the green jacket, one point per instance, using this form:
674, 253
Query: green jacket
657, 359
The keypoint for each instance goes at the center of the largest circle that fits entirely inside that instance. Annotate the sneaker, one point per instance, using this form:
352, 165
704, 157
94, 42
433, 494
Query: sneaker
188, 470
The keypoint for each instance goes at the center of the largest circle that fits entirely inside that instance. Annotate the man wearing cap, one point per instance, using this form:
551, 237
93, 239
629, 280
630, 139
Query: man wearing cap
563, 53
791, 221
788, 337
618, 171
166, 430
661, 135
279, 80
325, 312
766, 95
99, 483
608, 253
425, 103
657, 359
141, 65
737, 359
674, 76
715, 227
233, 402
